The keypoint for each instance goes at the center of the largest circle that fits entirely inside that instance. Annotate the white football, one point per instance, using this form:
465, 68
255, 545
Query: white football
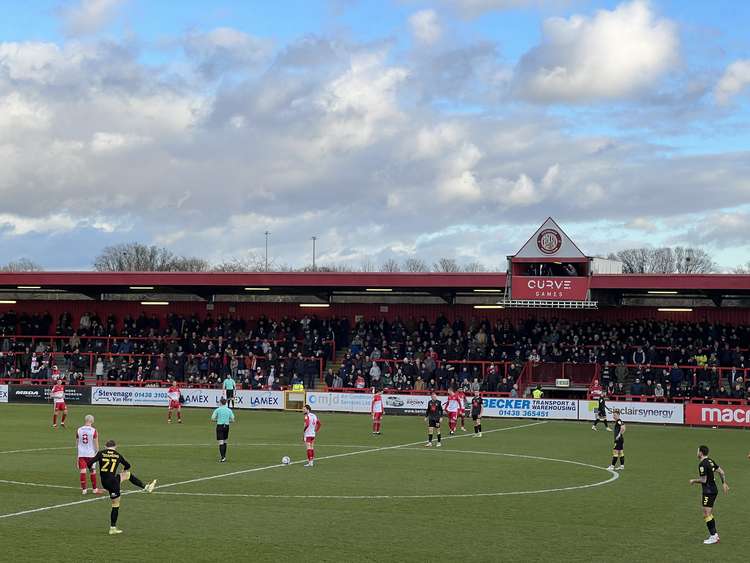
286, 460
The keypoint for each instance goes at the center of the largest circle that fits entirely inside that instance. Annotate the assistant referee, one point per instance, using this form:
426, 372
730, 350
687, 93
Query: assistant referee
223, 416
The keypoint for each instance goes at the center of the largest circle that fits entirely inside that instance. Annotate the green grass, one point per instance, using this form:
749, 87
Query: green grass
649, 514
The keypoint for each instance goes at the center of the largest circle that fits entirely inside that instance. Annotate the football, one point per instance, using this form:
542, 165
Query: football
286, 460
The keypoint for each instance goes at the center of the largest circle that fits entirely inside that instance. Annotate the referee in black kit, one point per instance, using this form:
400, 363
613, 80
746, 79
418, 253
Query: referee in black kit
223, 416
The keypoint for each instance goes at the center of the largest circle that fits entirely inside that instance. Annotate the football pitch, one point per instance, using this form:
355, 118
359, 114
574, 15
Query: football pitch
526, 491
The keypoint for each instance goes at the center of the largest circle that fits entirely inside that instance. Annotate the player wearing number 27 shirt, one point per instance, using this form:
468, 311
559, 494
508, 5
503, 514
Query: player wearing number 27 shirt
87, 442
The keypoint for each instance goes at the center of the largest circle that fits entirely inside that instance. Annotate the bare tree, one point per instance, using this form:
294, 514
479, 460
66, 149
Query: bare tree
693, 261
474, 267
416, 265
390, 265
251, 262
446, 265
743, 269
367, 265
21, 265
137, 257
665, 260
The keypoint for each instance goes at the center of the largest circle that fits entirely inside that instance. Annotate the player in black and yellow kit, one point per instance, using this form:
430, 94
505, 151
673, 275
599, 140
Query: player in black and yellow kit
618, 450
109, 459
707, 468
433, 416
601, 413
476, 414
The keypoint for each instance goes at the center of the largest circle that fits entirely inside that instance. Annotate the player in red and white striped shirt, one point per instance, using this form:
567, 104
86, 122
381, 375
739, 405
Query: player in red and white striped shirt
376, 408
451, 407
58, 402
312, 425
461, 396
87, 442
173, 394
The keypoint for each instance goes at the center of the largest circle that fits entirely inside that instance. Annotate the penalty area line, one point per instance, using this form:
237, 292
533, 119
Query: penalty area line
256, 469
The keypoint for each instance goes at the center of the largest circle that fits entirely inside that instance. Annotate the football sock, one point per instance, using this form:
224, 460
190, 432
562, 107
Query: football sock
429, 438
605, 423
622, 460
54, 419
614, 460
93, 479
439, 436
711, 524
223, 450
312, 454
480, 428
179, 415
113, 516
476, 429
63, 418
136, 481
83, 481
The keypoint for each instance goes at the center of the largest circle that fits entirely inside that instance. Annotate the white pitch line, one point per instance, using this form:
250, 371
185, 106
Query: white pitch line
256, 469
256, 444
6, 482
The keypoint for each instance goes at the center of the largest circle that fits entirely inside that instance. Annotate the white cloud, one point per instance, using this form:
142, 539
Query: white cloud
734, 80
224, 49
425, 26
87, 17
613, 54
475, 8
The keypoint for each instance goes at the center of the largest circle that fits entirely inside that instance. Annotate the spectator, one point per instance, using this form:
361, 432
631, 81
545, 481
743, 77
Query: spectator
658, 391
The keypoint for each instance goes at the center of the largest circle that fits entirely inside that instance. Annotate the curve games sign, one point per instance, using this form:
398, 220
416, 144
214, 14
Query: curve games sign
547, 288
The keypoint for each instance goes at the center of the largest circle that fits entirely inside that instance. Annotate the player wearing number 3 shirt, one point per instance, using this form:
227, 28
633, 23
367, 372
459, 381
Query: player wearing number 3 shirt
312, 426
87, 442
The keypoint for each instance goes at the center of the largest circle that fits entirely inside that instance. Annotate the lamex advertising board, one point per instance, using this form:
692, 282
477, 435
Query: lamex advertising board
718, 415
530, 408
341, 402
654, 413
41, 394
210, 398
3, 393
206, 398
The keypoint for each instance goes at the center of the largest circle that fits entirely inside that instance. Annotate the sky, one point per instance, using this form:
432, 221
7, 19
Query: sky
386, 129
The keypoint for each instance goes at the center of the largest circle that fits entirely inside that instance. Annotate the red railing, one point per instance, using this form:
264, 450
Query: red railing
394, 391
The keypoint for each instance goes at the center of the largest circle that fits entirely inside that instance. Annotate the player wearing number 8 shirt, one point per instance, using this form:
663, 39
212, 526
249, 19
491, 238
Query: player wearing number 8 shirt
109, 460
707, 468
87, 443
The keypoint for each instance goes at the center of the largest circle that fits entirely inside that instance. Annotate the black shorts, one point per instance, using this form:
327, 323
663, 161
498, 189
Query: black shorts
230, 393
708, 500
619, 444
222, 431
601, 415
112, 486
433, 422
475, 415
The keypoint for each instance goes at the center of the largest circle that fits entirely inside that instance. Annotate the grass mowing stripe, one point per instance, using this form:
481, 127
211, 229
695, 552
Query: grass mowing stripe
256, 469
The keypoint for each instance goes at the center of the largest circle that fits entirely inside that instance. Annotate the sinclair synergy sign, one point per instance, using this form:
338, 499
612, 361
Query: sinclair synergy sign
552, 249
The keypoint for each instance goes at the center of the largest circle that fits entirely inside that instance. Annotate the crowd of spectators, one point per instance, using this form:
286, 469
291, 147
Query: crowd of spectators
257, 352
643, 357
